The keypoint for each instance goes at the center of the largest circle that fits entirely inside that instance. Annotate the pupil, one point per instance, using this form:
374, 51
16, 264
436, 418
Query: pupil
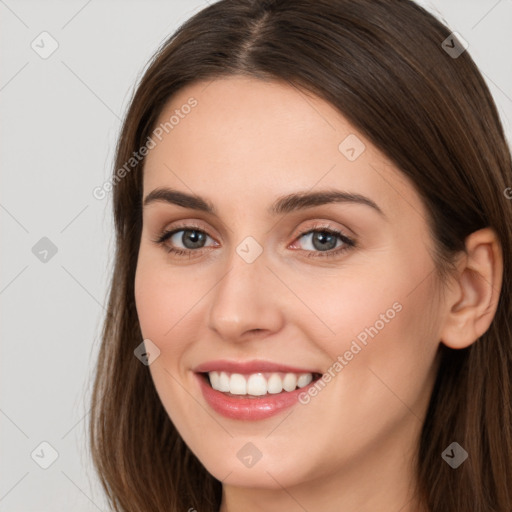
323, 240
194, 240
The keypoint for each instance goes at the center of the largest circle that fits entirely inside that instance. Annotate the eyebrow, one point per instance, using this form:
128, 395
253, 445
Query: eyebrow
282, 205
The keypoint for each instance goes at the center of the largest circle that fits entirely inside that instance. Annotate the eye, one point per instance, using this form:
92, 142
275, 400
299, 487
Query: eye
321, 241
191, 237
325, 242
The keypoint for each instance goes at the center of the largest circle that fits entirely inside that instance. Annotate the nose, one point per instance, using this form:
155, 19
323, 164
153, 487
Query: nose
245, 302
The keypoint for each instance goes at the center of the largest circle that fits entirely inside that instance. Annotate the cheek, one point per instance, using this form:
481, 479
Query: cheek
383, 330
163, 300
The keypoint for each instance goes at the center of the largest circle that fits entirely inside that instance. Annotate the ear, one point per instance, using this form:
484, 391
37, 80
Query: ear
472, 302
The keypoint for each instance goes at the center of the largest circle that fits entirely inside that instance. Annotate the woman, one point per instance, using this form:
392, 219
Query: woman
310, 306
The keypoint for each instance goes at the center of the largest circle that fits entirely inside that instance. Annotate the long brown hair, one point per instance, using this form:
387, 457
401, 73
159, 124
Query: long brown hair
383, 65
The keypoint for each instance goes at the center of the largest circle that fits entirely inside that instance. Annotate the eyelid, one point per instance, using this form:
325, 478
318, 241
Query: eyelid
348, 241
165, 234
186, 224
315, 226
328, 226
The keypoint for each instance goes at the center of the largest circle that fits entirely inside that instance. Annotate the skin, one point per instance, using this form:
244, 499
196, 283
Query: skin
246, 143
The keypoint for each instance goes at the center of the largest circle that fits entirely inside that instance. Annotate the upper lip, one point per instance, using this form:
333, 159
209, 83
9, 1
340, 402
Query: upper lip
247, 367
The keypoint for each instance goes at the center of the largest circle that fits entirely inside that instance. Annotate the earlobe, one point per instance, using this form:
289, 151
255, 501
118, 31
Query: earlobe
471, 305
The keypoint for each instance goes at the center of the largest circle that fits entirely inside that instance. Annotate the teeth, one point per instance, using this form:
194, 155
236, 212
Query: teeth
223, 382
304, 380
258, 384
237, 384
289, 382
275, 384
215, 380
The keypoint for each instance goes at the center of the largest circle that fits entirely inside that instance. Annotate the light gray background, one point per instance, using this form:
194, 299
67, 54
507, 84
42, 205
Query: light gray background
60, 119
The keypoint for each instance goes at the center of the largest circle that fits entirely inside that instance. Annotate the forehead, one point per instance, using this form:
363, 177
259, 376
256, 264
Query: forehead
246, 138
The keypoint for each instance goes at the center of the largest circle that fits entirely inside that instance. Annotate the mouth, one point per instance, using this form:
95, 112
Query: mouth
259, 384
253, 396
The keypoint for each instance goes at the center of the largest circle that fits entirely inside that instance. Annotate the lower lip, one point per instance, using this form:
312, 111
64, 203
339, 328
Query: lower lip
249, 408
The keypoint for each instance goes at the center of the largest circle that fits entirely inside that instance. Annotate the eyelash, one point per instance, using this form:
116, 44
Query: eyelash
348, 242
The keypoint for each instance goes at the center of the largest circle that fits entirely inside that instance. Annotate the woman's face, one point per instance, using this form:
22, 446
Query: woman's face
277, 285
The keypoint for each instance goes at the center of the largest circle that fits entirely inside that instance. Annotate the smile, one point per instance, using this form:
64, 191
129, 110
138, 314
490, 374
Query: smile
254, 390
258, 384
